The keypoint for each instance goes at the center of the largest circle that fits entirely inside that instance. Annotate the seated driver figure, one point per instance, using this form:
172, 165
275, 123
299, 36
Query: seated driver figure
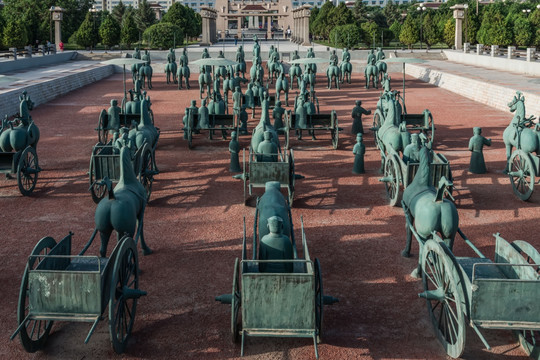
275, 246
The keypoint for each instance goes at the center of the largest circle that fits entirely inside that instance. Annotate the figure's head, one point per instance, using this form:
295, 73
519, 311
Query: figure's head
114, 102
359, 137
267, 135
414, 138
345, 49
193, 103
358, 102
185, 51
220, 52
204, 102
240, 48
233, 134
250, 85
278, 103
371, 51
334, 52
477, 130
275, 224
237, 89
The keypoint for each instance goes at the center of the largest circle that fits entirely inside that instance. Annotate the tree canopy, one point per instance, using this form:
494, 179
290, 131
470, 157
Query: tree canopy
109, 31
164, 35
185, 18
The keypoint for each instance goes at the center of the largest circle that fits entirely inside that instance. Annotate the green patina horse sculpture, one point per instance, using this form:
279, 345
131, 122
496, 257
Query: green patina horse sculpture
517, 133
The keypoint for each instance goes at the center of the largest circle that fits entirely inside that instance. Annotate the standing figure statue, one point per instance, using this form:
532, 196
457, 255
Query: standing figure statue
243, 120
205, 79
237, 103
256, 47
234, 149
267, 149
250, 99
204, 116
275, 246
301, 118
114, 116
359, 151
357, 113
476, 145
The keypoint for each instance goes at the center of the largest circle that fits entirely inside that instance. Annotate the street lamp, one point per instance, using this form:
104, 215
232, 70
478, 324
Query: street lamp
93, 11
421, 8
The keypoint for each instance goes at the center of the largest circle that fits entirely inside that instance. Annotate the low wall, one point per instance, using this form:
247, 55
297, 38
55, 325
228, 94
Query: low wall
485, 93
23, 63
516, 65
46, 91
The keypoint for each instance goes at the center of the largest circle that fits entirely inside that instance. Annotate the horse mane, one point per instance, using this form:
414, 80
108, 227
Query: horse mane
128, 180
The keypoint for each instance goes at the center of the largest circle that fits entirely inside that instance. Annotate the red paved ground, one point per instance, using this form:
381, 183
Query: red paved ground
194, 225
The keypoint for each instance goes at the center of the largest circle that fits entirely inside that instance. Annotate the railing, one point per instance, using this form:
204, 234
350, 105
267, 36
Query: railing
28, 51
510, 52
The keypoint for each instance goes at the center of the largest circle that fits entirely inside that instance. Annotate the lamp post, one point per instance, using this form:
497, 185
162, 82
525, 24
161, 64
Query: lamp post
93, 11
421, 8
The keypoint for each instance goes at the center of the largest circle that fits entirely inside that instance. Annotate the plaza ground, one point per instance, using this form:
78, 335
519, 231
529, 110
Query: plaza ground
194, 225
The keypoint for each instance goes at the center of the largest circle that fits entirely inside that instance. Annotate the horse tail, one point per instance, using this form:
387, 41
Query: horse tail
449, 221
33, 134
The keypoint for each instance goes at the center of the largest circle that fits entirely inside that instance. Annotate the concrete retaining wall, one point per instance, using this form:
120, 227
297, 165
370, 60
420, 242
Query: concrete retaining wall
485, 93
35, 61
43, 92
516, 65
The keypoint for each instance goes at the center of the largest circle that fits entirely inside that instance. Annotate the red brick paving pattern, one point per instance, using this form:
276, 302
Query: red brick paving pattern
194, 225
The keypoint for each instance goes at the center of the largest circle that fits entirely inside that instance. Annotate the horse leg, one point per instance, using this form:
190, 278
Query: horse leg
286, 98
180, 82
508, 154
104, 236
408, 242
140, 232
187, 83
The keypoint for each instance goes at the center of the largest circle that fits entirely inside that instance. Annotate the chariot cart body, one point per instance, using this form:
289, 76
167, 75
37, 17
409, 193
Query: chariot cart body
398, 174
25, 164
126, 120
221, 122
269, 304
105, 162
257, 173
499, 294
316, 122
58, 286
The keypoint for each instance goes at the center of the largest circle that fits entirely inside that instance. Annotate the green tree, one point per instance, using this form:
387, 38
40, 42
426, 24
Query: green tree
409, 32
183, 17
109, 31
144, 16
395, 28
163, 35
86, 35
392, 13
15, 34
321, 25
313, 17
370, 32
129, 33
430, 31
118, 12
360, 11
449, 34
523, 32
340, 15
348, 36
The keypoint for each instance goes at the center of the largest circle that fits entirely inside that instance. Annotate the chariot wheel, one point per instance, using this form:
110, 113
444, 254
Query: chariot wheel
529, 340
443, 291
319, 299
335, 132
124, 294
235, 304
393, 184
521, 173
27, 171
34, 334
103, 123
97, 191
146, 170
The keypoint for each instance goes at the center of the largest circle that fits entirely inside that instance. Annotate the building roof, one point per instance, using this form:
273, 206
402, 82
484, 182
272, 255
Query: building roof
254, 8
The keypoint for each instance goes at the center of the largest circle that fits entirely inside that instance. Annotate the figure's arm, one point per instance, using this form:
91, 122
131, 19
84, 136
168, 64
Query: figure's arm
487, 141
471, 143
366, 112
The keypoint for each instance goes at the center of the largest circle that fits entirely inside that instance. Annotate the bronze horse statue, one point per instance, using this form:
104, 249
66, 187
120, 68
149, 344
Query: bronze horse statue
430, 211
517, 133
123, 209
16, 135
